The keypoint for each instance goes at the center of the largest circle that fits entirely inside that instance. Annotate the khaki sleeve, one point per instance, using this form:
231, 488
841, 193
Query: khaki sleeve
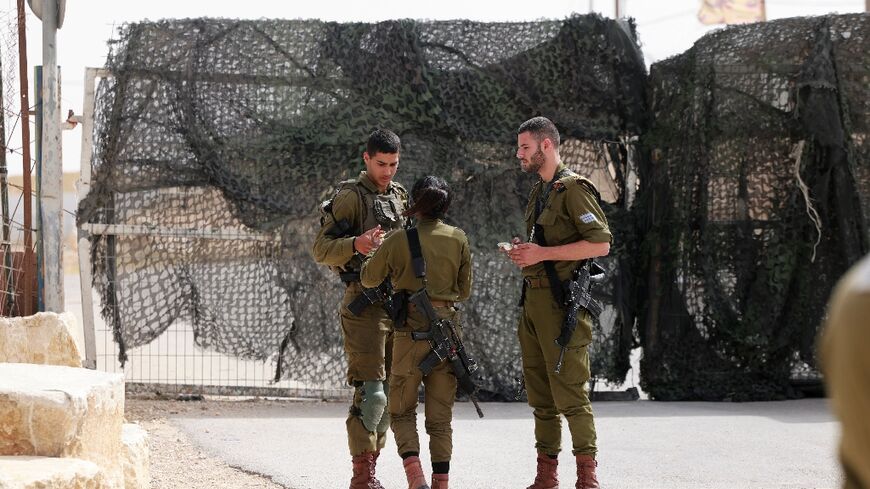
586, 214
465, 271
336, 251
376, 268
845, 360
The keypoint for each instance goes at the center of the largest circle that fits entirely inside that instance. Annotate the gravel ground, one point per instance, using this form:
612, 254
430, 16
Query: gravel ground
175, 461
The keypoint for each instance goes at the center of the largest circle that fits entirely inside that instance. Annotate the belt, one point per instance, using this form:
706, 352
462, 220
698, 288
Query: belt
348, 277
435, 303
536, 282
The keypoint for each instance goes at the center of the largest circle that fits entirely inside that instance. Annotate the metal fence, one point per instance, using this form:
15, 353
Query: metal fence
173, 364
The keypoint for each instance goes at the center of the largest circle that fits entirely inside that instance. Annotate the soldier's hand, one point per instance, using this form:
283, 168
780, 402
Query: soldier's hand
368, 241
505, 247
525, 254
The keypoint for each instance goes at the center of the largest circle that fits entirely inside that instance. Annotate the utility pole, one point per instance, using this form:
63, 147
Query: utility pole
619, 8
27, 193
51, 183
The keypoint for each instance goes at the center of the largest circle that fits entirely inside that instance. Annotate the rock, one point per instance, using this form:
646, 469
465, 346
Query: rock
56, 411
44, 338
50, 473
134, 459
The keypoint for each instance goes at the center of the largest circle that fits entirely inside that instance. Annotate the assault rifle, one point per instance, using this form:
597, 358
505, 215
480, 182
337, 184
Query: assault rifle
446, 345
382, 293
578, 295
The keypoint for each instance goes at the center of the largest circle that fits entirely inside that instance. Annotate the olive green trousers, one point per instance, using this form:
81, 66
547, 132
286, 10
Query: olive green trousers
551, 394
368, 346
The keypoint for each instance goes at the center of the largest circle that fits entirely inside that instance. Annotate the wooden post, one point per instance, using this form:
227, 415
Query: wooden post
29, 272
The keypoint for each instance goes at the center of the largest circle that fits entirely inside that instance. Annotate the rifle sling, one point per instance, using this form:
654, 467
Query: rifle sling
549, 265
417, 261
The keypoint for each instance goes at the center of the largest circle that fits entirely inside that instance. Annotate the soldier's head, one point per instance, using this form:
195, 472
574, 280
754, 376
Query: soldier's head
537, 143
382, 157
430, 198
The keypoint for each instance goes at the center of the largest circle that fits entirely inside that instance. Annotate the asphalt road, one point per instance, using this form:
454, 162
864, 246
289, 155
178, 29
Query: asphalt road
643, 444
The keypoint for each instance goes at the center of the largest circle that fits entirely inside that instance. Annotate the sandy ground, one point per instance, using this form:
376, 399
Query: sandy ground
175, 461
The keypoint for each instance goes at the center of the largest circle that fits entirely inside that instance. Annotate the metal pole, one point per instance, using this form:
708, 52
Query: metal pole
29, 270
84, 187
37, 165
51, 186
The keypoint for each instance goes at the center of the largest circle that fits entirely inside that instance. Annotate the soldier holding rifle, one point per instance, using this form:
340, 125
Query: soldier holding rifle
566, 229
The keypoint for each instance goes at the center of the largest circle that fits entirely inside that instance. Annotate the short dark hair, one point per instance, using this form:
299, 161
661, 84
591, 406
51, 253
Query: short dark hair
430, 197
383, 141
541, 128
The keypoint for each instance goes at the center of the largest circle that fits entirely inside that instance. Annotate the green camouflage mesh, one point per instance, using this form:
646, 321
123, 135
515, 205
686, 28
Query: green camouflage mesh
756, 200
216, 140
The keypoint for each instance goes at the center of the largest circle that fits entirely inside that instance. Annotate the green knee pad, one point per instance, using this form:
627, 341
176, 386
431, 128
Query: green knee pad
374, 402
384, 424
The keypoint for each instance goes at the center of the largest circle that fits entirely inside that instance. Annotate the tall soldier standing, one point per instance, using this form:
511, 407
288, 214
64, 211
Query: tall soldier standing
353, 225
404, 259
566, 227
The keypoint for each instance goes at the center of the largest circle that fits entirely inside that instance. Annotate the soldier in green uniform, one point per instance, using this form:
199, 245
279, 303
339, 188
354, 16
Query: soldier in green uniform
448, 280
564, 208
353, 224
845, 358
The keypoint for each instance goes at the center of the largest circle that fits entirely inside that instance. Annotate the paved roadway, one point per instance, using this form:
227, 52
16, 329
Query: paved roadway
643, 444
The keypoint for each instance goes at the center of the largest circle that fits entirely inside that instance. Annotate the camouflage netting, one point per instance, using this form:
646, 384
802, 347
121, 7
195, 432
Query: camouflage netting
759, 149
217, 139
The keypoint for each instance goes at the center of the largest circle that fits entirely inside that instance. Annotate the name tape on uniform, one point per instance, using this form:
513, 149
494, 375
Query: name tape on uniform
588, 218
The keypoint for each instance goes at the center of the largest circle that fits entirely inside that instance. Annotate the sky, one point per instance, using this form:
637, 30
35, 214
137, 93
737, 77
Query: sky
665, 28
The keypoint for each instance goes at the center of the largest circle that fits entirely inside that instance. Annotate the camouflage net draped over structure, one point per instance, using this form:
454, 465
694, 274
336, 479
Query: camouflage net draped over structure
755, 202
217, 140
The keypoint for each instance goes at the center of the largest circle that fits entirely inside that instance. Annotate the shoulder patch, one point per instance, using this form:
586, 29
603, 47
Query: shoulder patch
588, 218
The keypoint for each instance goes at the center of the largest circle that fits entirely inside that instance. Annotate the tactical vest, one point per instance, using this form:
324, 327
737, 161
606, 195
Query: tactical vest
384, 209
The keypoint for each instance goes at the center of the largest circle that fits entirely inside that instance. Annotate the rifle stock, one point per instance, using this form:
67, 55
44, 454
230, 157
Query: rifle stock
383, 293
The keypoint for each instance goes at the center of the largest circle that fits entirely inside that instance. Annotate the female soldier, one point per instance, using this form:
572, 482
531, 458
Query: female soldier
448, 280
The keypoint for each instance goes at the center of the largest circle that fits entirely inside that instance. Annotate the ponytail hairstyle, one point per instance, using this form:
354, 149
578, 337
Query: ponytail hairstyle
430, 198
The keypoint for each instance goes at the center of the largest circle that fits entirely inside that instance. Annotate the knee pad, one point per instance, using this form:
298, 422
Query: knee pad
384, 423
373, 405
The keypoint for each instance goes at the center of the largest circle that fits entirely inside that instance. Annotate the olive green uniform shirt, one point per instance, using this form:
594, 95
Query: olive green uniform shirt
339, 251
570, 213
845, 356
448, 262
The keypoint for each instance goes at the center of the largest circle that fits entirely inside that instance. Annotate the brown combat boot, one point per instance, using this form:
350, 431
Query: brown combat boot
414, 473
547, 477
363, 469
439, 481
374, 483
586, 472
